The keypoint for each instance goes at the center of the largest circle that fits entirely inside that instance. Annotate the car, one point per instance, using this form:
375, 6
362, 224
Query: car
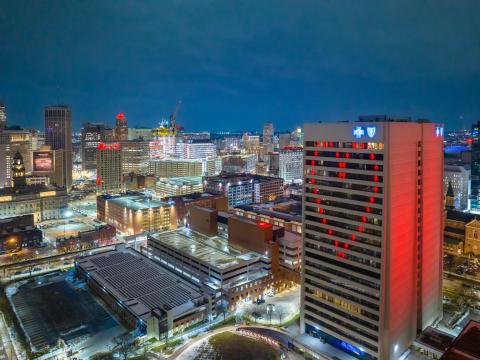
260, 301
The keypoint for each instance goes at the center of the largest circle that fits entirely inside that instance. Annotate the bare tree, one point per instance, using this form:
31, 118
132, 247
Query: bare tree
124, 345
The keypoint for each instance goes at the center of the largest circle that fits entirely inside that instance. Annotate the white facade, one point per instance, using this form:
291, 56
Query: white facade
291, 164
195, 149
460, 178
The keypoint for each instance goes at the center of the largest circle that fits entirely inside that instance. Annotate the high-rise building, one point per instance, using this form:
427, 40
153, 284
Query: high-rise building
475, 171
290, 162
3, 116
49, 163
92, 135
142, 133
268, 132
109, 168
135, 156
195, 148
373, 233
121, 127
58, 135
459, 176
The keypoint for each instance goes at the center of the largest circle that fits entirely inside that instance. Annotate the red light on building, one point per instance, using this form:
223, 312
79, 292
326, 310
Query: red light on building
354, 237
318, 200
346, 246
330, 232
372, 156
360, 229
336, 242
364, 219
99, 181
375, 178
330, 144
347, 155
367, 209
318, 143
101, 146
376, 167
325, 144
264, 225
312, 171
469, 140
324, 221
371, 199
375, 189
312, 181
321, 211
312, 162
337, 154
120, 116
315, 153
362, 145
315, 191
354, 145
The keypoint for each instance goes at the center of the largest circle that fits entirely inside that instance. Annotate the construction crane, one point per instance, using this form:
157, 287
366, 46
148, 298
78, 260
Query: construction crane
173, 118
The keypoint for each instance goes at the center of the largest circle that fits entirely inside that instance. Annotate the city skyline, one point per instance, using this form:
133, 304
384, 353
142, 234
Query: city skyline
244, 65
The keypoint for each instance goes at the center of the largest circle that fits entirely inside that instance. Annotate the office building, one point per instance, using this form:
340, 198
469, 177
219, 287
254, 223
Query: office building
268, 132
109, 168
165, 168
121, 127
135, 156
134, 213
19, 232
18, 139
284, 140
3, 116
49, 163
183, 204
244, 189
290, 164
459, 176
92, 135
140, 133
195, 149
174, 186
373, 206
133, 181
241, 163
211, 261
273, 163
58, 135
475, 168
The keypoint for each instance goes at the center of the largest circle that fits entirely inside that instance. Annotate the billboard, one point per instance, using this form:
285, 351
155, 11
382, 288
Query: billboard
43, 161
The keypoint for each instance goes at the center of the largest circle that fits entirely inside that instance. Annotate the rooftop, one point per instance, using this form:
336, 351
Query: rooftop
137, 202
137, 282
465, 346
233, 177
181, 181
213, 251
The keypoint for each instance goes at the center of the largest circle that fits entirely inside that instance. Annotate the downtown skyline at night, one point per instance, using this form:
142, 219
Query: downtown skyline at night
239, 180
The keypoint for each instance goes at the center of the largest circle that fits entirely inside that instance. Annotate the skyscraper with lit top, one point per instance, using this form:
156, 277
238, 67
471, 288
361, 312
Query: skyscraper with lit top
121, 127
372, 261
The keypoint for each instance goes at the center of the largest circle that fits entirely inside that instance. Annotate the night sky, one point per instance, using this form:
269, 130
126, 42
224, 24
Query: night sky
237, 64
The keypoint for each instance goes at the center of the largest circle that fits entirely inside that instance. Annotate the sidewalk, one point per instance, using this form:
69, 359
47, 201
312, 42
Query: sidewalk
7, 351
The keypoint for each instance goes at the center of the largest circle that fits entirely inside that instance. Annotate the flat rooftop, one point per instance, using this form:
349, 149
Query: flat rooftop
466, 345
137, 202
213, 250
182, 180
138, 283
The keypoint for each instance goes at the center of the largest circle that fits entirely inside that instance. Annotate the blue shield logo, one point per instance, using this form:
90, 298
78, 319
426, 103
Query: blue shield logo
371, 130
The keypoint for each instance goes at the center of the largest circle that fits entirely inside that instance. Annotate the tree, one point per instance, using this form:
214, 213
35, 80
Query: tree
124, 345
222, 308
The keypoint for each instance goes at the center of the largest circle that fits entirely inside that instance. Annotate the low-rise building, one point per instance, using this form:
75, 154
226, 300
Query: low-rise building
165, 168
244, 189
101, 235
178, 186
144, 295
42, 201
134, 213
19, 232
183, 204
